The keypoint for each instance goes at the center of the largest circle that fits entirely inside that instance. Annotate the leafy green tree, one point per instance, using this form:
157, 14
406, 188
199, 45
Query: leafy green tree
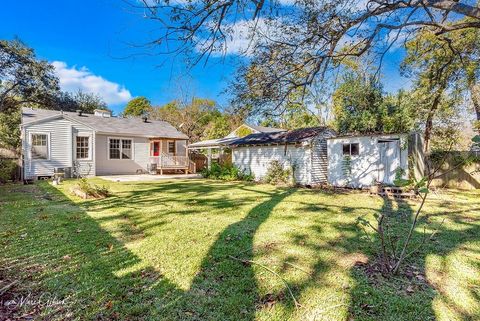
137, 107
24, 81
218, 127
80, 100
360, 106
444, 69
191, 118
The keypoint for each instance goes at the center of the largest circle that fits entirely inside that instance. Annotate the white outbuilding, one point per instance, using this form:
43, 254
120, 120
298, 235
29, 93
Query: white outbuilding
363, 160
304, 150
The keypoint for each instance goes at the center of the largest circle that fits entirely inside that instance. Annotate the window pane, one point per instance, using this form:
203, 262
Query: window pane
39, 147
82, 147
354, 149
171, 147
114, 148
126, 149
346, 149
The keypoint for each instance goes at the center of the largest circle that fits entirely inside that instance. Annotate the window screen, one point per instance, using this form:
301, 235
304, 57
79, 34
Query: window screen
39, 146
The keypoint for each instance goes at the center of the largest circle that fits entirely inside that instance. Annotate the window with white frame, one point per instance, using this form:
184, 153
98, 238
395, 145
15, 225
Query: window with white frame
83, 147
120, 148
351, 149
126, 149
39, 146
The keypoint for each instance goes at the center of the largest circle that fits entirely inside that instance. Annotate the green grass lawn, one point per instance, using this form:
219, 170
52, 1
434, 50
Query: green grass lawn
166, 251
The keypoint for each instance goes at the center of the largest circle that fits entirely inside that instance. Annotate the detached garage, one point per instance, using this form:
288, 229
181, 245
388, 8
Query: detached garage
303, 149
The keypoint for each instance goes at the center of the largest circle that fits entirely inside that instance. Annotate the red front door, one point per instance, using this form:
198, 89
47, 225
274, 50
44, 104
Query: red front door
156, 148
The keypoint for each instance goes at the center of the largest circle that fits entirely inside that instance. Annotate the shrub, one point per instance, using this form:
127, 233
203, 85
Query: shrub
92, 189
225, 172
7, 170
277, 175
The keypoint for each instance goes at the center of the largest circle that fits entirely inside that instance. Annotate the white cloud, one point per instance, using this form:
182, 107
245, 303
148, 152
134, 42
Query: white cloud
73, 79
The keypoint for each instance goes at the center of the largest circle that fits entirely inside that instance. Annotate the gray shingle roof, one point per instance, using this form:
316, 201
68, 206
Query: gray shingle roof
109, 125
290, 137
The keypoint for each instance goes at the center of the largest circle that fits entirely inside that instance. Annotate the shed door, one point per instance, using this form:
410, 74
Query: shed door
389, 160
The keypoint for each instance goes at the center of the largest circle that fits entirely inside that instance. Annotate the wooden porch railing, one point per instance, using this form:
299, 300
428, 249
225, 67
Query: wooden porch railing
165, 161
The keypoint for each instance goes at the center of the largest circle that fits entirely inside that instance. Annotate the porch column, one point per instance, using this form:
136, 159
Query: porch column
209, 157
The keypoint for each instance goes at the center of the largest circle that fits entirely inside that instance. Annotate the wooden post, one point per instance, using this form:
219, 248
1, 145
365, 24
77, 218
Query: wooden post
209, 158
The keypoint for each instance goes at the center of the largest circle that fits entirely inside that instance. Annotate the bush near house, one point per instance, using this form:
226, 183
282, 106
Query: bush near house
7, 170
226, 172
278, 175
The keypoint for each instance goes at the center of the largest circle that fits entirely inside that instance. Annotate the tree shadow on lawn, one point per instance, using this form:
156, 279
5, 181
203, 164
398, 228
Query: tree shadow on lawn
101, 279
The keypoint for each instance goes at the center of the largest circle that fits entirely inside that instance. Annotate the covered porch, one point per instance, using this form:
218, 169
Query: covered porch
215, 148
169, 155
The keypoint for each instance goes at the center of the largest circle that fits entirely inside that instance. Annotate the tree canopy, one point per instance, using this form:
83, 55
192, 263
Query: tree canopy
296, 43
137, 107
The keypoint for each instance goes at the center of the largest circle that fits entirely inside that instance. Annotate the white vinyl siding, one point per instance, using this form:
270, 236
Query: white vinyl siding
256, 160
85, 167
140, 148
59, 131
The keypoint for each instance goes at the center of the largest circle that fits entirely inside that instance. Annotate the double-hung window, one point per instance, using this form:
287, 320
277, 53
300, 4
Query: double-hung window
351, 149
120, 148
171, 147
83, 147
39, 147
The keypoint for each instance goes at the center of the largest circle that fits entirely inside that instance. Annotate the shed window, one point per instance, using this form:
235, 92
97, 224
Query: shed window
351, 149
120, 148
171, 147
39, 146
83, 147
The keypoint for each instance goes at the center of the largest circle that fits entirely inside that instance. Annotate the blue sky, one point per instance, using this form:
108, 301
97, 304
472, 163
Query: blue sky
91, 45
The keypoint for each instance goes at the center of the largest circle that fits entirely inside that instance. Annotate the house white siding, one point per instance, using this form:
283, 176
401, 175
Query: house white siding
59, 133
256, 160
85, 167
367, 167
106, 166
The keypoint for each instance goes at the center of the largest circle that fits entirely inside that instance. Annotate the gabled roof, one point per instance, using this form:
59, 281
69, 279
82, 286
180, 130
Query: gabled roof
289, 137
107, 125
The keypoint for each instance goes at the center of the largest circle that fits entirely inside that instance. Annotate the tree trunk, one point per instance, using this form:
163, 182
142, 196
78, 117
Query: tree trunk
475, 94
429, 121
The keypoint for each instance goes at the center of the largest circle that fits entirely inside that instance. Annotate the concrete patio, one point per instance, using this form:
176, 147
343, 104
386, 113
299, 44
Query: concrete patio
147, 177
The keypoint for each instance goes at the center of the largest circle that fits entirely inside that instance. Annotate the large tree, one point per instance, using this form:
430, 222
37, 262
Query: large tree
192, 117
361, 106
137, 107
310, 37
79, 100
444, 70
24, 81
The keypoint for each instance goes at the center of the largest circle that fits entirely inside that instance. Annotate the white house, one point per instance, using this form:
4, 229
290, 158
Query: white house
361, 161
304, 149
98, 144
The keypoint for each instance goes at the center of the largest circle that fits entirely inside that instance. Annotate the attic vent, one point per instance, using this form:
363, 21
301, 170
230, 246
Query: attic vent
102, 113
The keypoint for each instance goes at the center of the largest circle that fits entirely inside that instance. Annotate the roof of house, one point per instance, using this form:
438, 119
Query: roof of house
285, 137
212, 143
108, 125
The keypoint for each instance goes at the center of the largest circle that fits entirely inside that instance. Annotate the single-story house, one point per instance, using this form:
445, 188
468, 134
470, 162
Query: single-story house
319, 156
304, 150
98, 144
362, 160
